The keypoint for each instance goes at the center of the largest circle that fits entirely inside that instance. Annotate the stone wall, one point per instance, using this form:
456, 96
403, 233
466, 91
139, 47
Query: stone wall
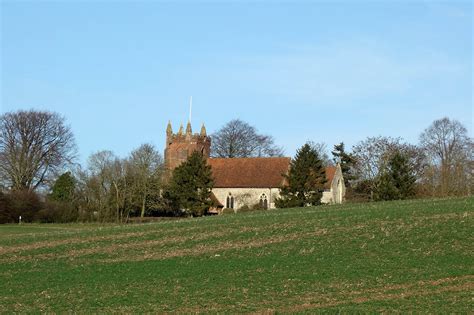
338, 190
251, 196
246, 196
327, 197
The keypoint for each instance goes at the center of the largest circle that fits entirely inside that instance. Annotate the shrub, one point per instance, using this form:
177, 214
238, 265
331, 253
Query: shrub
5, 209
258, 206
244, 208
254, 207
56, 211
24, 203
227, 211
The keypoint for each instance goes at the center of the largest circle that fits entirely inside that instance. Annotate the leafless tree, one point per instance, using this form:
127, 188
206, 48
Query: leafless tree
373, 153
98, 185
34, 146
106, 186
238, 139
121, 188
146, 167
451, 152
112, 188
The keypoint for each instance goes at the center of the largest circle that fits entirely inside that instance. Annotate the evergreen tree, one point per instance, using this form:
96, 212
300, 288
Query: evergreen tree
63, 188
346, 160
305, 180
190, 186
385, 186
397, 179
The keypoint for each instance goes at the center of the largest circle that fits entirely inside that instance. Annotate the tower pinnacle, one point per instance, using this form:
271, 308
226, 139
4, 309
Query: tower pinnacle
169, 129
189, 130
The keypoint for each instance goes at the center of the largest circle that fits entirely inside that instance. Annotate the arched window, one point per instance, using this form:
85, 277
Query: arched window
263, 202
230, 201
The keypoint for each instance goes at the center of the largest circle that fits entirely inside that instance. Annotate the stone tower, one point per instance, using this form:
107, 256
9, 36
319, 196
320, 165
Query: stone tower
180, 145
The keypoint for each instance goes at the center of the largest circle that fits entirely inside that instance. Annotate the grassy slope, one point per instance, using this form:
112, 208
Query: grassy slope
413, 255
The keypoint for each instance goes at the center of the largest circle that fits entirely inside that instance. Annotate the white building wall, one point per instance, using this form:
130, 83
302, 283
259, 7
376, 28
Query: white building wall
327, 197
251, 196
247, 196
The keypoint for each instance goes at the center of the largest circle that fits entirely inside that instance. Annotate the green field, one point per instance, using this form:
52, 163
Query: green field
409, 255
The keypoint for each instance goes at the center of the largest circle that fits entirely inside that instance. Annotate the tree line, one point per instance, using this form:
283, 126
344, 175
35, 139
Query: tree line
41, 181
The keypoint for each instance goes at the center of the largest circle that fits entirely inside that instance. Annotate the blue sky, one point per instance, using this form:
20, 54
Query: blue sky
319, 71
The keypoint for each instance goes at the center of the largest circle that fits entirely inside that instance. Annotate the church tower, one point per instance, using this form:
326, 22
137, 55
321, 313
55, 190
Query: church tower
180, 145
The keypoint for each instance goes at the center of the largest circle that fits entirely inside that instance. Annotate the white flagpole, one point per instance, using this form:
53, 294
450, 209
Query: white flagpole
190, 108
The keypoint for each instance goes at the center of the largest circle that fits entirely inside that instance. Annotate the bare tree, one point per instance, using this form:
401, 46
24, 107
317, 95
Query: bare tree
111, 188
450, 148
108, 186
371, 153
121, 188
146, 166
34, 145
374, 153
98, 183
238, 139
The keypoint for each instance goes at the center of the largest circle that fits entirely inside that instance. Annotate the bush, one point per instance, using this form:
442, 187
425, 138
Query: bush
5, 209
258, 206
361, 192
56, 211
227, 211
246, 208
24, 203
31, 208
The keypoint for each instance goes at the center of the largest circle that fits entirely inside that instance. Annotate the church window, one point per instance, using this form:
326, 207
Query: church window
263, 202
230, 201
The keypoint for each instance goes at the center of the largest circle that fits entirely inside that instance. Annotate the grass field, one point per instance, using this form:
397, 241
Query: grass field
409, 255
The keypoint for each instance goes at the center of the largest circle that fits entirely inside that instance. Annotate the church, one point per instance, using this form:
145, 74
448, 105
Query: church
242, 182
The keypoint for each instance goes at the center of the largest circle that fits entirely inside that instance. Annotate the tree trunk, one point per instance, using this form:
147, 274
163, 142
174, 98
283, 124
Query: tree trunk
117, 206
143, 207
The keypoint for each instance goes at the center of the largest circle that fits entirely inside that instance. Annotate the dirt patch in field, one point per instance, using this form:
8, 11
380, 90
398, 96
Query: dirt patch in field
117, 248
205, 249
167, 236
420, 288
413, 222
90, 239
142, 244
140, 248
69, 241
168, 233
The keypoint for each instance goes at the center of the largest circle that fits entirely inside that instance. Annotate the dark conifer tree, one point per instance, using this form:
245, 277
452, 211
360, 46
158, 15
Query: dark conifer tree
346, 160
385, 186
305, 180
190, 186
63, 188
397, 180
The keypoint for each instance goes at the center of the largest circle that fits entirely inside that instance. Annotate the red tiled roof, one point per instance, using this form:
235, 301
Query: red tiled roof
254, 172
249, 172
330, 171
